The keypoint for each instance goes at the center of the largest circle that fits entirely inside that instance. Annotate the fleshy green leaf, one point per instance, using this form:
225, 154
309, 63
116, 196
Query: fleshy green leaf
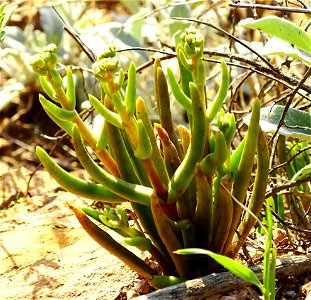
58, 112
109, 115
130, 97
47, 87
103, 138
304, 172
221, 94
140, 242
161, 281
74, 184
144, 147
71, 90
179, 94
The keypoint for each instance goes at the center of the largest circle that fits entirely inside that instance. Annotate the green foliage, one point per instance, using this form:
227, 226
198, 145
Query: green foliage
282, 29
295, 161
229, 263
184, 193
288, 38
297, 123
19, 45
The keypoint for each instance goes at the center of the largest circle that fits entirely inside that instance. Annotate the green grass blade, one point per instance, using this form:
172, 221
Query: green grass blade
269, 258
228, 263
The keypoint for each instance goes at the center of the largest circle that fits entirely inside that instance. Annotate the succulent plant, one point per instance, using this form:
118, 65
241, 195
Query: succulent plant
186, 186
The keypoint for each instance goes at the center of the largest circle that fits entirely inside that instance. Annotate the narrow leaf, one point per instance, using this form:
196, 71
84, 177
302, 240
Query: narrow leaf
133, 192
144, 147
130, 95
109, 115
221, 94
73, 184
178, 93
58, 112
227, 262
71, 90
47, 87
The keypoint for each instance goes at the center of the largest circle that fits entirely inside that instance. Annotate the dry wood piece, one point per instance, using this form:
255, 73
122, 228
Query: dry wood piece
306, 288
223, 282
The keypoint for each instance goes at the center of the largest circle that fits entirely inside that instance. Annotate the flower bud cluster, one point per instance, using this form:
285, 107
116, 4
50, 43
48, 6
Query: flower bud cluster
45, 60
194, 41
106, 65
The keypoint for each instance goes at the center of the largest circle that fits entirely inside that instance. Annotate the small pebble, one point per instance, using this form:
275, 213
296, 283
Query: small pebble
142, 287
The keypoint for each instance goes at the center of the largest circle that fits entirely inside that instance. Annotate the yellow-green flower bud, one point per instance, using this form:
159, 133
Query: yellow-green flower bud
109, 52
105, 68
45, 60
194, 41
188, 31
226, 123
222, 120
50, 48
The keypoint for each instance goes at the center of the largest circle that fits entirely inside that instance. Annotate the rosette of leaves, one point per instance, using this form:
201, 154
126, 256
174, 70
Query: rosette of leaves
186, 186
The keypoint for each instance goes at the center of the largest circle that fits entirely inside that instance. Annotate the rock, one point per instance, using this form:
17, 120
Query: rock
45, 254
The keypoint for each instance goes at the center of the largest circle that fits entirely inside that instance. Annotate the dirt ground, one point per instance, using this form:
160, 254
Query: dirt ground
44, 252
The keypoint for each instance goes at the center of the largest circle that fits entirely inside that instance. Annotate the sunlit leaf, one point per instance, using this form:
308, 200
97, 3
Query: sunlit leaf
275, 46
304, 172
176, 27
282, 29
227, 262
5, 15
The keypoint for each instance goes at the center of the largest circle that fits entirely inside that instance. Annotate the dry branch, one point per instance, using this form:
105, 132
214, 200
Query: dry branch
223, 282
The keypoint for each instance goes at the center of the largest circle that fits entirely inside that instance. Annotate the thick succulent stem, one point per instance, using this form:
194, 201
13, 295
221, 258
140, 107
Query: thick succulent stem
257, 198
168, 236
222, 213
185, 172
243, 175
163, 103
204, 209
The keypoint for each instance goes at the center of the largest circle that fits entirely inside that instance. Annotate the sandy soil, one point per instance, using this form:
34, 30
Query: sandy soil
44, 252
